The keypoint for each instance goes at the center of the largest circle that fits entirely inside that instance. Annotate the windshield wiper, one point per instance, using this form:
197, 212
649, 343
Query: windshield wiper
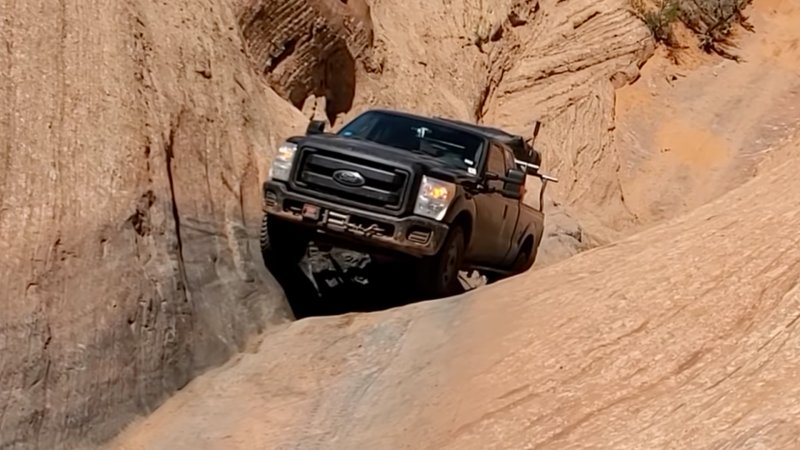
354, 136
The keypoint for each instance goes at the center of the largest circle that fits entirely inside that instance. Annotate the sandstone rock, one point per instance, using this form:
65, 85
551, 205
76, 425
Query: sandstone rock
564, 236
685, 335
134, 136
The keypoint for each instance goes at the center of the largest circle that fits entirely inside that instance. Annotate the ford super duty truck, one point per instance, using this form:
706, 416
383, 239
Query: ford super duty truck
445, 195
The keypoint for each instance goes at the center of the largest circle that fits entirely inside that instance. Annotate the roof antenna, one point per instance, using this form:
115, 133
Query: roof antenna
536, 127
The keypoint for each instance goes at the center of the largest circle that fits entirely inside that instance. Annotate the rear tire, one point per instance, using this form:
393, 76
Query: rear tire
438, 275
523, 263
281, 243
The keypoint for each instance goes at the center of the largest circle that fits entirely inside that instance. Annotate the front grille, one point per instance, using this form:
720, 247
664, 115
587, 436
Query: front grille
384, 186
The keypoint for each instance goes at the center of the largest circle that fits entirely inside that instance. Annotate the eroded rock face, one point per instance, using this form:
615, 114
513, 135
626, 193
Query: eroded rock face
134, 136
434, 55
309, 47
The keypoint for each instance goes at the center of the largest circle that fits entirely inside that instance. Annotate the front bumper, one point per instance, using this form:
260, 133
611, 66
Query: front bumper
364, 230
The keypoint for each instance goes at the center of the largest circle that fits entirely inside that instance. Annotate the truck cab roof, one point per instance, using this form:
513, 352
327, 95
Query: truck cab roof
489, 133
522, 151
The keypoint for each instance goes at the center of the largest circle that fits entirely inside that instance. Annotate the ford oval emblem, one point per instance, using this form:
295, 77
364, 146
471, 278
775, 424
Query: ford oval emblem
349, 178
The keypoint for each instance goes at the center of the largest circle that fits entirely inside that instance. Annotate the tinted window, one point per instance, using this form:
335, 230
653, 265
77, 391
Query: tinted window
496, 165
510, 160
459, 148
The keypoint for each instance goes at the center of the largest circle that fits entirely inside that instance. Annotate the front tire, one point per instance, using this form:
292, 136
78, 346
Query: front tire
281, 243
438, 274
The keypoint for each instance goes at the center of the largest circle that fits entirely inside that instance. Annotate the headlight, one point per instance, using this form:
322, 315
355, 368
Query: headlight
282, 164
434, 197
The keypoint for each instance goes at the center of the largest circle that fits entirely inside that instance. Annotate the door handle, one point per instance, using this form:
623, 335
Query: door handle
505, 212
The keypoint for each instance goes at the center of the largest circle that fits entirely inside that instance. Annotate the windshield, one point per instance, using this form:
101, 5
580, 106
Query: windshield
458, 148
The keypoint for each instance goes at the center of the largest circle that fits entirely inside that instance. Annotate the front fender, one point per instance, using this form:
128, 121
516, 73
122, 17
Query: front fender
462, 206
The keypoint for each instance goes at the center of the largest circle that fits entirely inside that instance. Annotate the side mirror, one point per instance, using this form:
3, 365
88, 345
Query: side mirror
514, 184
515, 176
315, 127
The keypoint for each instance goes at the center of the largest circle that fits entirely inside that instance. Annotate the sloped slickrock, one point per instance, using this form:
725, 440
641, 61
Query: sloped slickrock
683, 336
134, 135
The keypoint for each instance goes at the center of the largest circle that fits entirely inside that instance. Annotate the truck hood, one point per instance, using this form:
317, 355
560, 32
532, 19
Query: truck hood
421, 163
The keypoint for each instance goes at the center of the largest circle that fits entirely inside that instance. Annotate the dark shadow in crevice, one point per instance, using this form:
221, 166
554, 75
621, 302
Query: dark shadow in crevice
285, 51
339, 83
333, 78
340, 281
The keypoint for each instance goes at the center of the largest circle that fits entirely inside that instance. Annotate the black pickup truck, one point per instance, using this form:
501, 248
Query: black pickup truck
443, 194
